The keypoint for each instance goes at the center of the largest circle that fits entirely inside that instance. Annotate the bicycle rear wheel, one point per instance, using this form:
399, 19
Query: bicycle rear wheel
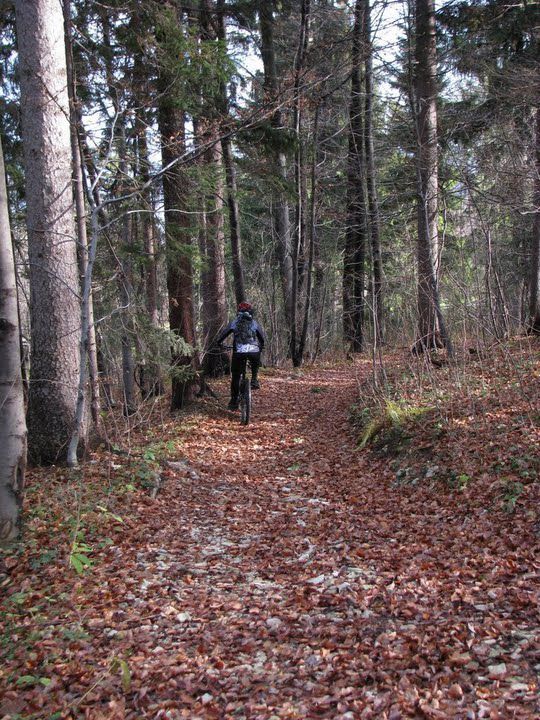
245, 401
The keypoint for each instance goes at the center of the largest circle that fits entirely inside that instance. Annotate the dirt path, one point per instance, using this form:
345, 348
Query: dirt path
290, 580
286, 576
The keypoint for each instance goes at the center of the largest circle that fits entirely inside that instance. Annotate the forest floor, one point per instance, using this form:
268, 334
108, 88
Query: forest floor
281, 571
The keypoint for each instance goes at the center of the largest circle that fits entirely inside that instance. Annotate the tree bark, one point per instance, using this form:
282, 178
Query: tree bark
12, 420
312, 239
126, 294
86, 318
150, 260
371, 183
214, 302
296, 346
534, 281
431, 328
105, 375
125, 280
177, 238
230, 179
217, 301
281, 204
356, 231
83, 249
54, 283
234, 221
152, 350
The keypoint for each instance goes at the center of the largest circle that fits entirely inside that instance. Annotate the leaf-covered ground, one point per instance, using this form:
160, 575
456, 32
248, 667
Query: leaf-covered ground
280, 572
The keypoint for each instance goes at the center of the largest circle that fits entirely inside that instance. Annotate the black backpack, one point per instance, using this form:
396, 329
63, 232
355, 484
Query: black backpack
244, 333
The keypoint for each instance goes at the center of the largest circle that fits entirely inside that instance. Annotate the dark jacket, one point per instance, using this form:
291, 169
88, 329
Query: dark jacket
256, 345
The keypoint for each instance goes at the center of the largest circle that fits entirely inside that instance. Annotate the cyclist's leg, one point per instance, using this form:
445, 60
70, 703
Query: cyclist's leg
255, 364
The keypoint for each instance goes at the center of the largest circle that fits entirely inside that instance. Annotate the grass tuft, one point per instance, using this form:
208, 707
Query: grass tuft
394, 415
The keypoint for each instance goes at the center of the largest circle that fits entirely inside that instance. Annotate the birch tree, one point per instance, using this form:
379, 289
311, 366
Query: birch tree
12, 420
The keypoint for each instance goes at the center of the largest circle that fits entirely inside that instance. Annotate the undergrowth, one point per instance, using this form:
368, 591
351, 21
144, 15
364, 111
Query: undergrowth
72, 517
388, 425
465, 427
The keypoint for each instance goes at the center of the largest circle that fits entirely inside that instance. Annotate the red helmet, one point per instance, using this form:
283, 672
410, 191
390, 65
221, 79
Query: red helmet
245, 307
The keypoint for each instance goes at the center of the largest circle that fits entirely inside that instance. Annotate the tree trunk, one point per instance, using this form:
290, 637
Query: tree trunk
125, 288
230, 179
312, 240
152, 350
12, 420
125, 278
234, 221
105, 375
356, 231
534, 282
86, 318
431, 328
100, 220
372, 198
214, 302
298, 273
78, 191
178, 241
54, 283
150, 263
281, 205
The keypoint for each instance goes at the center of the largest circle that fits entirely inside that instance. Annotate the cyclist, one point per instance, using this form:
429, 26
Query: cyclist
248, 344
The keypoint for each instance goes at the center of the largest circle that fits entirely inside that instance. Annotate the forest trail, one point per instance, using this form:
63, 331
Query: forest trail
289, 579
281, 573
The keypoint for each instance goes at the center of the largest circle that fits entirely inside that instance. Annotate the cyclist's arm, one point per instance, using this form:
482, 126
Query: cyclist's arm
225, 333
260, 335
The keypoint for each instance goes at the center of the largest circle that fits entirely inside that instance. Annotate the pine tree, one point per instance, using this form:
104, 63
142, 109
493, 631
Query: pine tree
431, 325
54, 282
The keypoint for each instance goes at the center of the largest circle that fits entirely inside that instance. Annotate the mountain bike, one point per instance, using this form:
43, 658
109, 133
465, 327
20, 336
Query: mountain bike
244, 392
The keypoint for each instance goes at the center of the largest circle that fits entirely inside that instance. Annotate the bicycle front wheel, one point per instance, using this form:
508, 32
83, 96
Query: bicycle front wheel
245, 403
